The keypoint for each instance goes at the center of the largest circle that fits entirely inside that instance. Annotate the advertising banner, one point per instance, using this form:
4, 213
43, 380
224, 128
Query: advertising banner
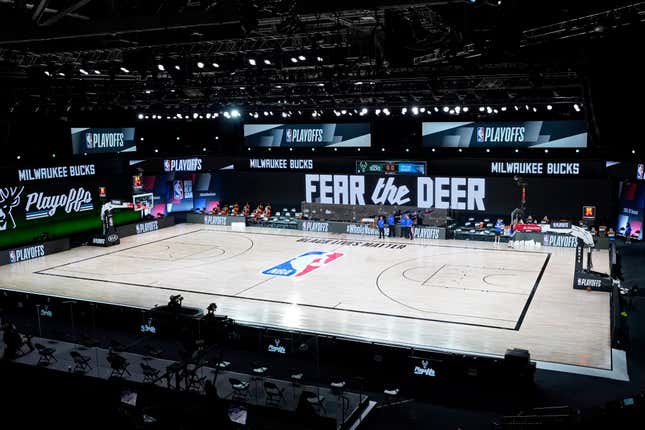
517, 134
102, 140
29, 252
353, 135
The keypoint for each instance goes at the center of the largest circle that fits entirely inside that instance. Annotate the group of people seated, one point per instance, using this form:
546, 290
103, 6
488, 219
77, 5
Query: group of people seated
262, 210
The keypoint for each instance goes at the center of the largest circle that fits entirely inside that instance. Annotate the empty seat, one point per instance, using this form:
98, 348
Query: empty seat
46, 354
240, 389
81, 362
273, 393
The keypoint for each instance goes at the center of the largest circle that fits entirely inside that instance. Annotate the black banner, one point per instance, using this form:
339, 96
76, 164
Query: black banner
102, 140
519, 134
354, 135
29, 252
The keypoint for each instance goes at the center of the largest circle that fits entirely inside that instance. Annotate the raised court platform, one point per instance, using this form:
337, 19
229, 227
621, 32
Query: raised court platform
473, 297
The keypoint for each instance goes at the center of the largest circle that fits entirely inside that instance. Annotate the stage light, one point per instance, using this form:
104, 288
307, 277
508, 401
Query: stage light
633, 151
576, 107
460, 150
61, 74
208, 116
161, 67
382, 149
227, 115
517, 150
284, 114
319, 59
179, 116
301, 57
487, 149
53, 155
534, 109
320, 84
177, 67
153, 117
267, 62
156, 150
83, 72
407, 149
415, 110
503, 108
235, 113
577, 151
256, 115
377, 111
386, 111
252, 62
433, 149
364, 111
546, 151
124, 70
266, 113
96, 72
446, 109
215, 115
358, 83
465, 109
140, 116
457, 109
47, 73
216, 65
294, 60
404, 111
495, 110
335, 149
482, 108
195, 115
343, 111
549, 107
18, 157
422, 110
200, 64
516, 108
526, 107
204, 149
489, 109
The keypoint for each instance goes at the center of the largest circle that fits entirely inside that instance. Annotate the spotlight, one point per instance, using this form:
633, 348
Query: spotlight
633, 151
465, 109
18, 157
47, 73
96, 72
124, 70
235, 113
266, 113
415, 110
301, 57
227, 115
83, 72
216, 65
284, 114
320, 84
422, 110
457, 109
433, 149
549, 107
343, 111
177, 67
358, 83
61, 74
546, 151
377, 111
294, 60
446, 109
517, 150
436, 109
516, 108
404, 111
363, 111
179, 116
267, 62
162, 68
208, 116
503, 108
200, 64
336, 112
526, 107
482, 108
319, 59
252, 62
156, 150
386, 111
140, 116
576, 107
489, 109
195, 115
487, 149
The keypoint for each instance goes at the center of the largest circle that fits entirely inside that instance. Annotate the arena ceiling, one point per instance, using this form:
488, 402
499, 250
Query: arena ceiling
61, 55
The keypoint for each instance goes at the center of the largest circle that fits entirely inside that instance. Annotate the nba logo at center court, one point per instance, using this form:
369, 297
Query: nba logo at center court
480, 134
303, 264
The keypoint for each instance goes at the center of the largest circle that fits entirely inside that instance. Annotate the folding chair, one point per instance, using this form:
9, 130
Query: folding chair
273, 394
118, 364
150, 374
240, 389
315, 400
46, 354
81, 362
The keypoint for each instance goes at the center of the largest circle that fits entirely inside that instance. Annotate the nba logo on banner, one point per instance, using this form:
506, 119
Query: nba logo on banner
12, 256
178, 190
303, 264
289, 136
480, 134
88, 141
166, 165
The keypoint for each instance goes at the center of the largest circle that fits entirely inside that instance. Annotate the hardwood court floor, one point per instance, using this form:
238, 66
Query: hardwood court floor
453, 295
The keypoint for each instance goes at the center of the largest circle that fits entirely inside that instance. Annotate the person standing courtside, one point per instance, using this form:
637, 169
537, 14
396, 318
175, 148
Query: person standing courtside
499, 228
390, 225
380, 223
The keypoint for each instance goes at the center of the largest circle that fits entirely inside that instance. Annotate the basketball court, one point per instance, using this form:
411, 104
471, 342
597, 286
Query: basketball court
474, 297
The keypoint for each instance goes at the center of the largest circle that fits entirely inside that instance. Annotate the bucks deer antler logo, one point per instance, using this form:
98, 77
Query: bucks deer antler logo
9, 199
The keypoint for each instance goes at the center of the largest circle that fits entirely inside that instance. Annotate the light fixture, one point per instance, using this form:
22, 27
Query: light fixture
294, 60
267, 62
503, 108
386, 111
61, 74
200, 64
465, 109
301, 57
482, 108
576, 107
96, 72
446, 109
549, 107
252, 62
83, 72
124, 70
319, 59
415, 110
546, 151
216, 65
47, 73
162, 68
517, 150
140, 116
177, 67
404, 111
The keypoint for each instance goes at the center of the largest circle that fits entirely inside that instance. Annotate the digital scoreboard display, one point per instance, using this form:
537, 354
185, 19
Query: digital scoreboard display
391, 167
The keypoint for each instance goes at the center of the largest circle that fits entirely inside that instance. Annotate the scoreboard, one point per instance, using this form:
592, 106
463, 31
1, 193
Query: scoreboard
391, 167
